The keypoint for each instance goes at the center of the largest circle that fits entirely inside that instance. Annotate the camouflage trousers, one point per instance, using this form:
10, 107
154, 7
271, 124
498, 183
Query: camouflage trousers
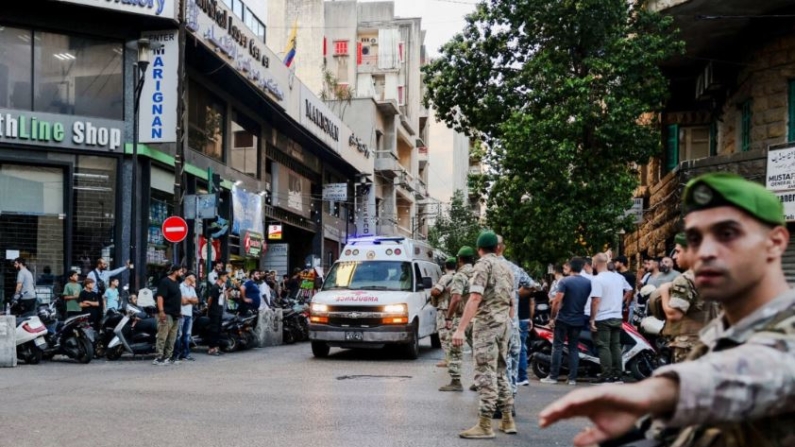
455, 354
682, 345
514, 350
491, 377
444, 334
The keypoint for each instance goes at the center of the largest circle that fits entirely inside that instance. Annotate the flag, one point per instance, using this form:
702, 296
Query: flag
289, 51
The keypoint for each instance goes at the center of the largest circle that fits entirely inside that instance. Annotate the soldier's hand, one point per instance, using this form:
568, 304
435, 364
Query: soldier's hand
613, 409
458, 338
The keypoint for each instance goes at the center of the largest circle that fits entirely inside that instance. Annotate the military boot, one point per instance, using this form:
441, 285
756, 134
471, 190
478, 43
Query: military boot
482, 430
473, 387
507, 424
455, 385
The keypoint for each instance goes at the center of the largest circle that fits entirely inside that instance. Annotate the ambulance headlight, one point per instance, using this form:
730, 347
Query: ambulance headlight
319, 308
396, 309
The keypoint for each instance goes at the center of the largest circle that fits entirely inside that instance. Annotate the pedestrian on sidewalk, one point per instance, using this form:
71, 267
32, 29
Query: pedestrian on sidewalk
440, 299
169, 310
189, 298
25, 291
215, 311
459, 293
91, 302
111, 295
71, 294
567, 317
490, 294
101, 275
609, 292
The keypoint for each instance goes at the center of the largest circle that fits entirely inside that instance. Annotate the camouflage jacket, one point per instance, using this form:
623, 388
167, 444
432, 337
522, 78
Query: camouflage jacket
738, 386
443, 285
697, 312
492, 278
520, 279
460, 286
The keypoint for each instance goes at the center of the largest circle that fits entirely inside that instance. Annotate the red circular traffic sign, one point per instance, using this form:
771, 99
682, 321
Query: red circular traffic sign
175, 229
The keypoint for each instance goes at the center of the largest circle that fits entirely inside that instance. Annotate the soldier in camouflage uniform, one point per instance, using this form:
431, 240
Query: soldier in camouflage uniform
737, 388
459, 294
440, 299
490, 292
685, 314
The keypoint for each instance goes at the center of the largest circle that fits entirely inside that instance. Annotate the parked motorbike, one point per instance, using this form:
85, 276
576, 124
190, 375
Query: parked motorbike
639, 356
135, 333
295, 320
31, 335
651, 327
73, 338
237, 332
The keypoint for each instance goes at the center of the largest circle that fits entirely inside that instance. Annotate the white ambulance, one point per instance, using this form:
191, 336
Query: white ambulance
377, 293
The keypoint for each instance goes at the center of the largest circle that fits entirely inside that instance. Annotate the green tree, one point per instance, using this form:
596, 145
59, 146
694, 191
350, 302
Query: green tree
458, 228
566, 95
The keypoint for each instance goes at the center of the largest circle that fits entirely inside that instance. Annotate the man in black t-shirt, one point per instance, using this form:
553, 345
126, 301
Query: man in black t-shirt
622, 267
169, 311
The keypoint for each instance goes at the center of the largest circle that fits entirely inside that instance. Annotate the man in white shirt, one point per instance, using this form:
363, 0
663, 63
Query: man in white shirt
609, 290
189, 298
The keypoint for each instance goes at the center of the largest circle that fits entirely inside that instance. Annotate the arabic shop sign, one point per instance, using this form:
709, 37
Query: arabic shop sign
59, 131
219, 29
155, 8
358, 145
781, 169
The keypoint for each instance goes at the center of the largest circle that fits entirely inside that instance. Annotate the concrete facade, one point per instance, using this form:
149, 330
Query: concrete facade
308, 14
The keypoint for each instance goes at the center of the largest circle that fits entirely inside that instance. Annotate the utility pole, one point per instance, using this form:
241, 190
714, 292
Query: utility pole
179, 157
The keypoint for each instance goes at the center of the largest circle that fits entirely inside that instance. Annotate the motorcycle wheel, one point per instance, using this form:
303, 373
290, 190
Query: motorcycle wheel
289, 337
99, 349
541, 370
641, 366
115, 353
250, 341
32, 355
231, 345
85, 350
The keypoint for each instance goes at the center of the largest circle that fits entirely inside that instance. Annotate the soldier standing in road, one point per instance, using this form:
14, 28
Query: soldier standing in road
685, 314
490, 294
738, 386
440, 299
459, 292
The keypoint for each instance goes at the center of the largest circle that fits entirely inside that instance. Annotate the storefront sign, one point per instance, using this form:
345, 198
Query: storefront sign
317, 118
359, 145
335, 192
274, 232
247, 210
158, 109
215, 26
252, 244
155, 8
63, 131
788, 200
277, 258
365, 214
781, 169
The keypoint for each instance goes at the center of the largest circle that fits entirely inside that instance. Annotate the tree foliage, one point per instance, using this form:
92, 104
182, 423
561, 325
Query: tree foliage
566, 95
458, 228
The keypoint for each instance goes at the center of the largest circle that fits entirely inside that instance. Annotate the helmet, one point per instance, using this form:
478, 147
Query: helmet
646, 291
652, 325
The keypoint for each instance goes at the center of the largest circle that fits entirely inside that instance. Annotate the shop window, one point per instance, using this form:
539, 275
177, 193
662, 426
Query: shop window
694, 143
16, 53
745, 126
244, 153
77, 76
94, 213
206, 119
672, 148
340, 47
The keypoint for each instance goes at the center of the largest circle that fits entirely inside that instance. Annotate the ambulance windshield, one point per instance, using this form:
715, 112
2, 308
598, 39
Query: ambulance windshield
370, 275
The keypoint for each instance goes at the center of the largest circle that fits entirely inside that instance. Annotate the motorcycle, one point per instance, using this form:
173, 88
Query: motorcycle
638, 357
295, 320
135, 333
73, 338
31, 335
651, 327
237, 332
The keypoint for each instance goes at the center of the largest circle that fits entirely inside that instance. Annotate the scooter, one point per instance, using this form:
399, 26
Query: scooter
639, 356
231, 334
73, 338
31, 335
135, 333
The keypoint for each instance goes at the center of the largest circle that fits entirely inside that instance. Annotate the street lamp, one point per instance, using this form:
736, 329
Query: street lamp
139, 76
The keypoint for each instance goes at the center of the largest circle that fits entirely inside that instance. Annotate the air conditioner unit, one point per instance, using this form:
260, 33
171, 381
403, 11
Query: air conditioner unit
373, 41
365, 50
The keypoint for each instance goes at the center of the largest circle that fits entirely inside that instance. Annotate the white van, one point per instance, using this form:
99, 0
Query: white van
377, 293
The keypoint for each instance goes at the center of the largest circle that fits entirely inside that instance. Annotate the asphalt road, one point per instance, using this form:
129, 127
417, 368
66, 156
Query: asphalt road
279, 396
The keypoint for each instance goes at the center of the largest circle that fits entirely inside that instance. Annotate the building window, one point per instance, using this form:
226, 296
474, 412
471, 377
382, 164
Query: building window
745, 126
16, 52
340, 47
254, 24
77, 76
672, 148
694, 143
401, 90
244, 152
401, 49
206, 120
791, 108
238, 8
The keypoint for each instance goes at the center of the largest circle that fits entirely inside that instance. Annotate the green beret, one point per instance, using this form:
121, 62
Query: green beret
487, 239
680, 239
450, 260
725, 189
466, 251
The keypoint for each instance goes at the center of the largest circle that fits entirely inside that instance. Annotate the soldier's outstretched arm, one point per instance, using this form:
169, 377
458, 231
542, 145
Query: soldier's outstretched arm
754, 380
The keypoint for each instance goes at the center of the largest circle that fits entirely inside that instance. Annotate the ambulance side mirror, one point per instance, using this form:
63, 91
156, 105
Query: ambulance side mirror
427, 283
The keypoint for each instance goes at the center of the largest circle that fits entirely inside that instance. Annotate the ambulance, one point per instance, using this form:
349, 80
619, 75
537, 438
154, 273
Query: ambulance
376, 294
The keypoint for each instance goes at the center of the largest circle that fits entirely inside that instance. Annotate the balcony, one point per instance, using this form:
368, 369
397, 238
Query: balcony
420, 189
422, 156
405, 183
370, 65
387, 163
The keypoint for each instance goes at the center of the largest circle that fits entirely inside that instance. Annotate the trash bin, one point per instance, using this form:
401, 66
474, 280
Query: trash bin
8, 341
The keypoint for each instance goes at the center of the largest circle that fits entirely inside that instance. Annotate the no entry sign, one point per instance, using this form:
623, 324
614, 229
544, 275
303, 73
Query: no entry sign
175, 229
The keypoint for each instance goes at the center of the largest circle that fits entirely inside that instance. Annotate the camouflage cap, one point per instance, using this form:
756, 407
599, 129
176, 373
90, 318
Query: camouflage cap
726, 189
487, 239
680, 239
466, 251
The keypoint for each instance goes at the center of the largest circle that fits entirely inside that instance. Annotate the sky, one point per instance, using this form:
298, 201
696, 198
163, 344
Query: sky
441, 19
